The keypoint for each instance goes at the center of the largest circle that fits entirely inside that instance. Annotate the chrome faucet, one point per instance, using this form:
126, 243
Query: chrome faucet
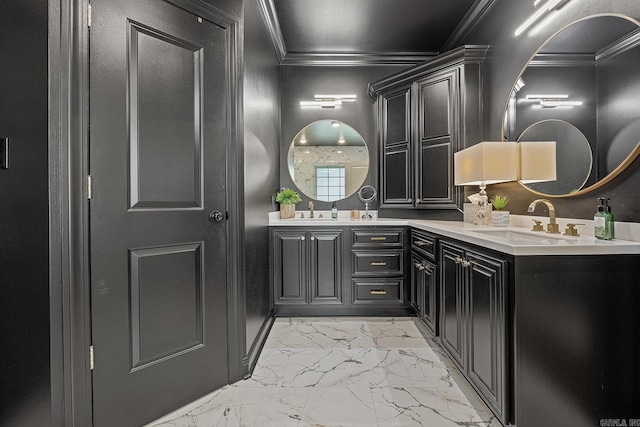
552, 227
311, 210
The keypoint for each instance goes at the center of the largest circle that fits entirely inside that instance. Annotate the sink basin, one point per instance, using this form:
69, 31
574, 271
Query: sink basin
524, 237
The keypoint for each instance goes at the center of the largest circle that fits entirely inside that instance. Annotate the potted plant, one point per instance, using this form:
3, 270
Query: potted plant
499, 217
287, 199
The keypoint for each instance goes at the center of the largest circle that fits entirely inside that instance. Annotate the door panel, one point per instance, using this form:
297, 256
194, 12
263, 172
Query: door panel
159, 125
158, 60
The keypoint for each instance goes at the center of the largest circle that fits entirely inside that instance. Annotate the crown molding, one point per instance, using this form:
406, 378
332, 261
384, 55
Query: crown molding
354, 59
468, 22
270, 17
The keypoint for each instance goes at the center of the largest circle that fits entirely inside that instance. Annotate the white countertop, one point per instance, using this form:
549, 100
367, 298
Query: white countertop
522, 242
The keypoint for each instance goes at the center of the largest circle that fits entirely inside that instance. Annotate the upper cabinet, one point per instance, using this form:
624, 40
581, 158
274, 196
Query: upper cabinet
425, 114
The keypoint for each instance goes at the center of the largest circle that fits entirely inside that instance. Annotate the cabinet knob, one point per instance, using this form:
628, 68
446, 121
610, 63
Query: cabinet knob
409, 200
313, 237
302, 238
458, 260
465, 263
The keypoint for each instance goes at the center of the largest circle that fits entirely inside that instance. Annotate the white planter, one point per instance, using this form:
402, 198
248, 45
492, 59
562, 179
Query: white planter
500, 218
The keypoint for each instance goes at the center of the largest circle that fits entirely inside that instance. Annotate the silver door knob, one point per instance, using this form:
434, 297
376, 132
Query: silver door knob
216, 216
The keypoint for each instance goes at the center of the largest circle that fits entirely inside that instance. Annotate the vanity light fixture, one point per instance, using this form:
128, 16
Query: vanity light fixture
487, 162
343, 98
554, 104
328, 101
539, 13
554, 100
558, 96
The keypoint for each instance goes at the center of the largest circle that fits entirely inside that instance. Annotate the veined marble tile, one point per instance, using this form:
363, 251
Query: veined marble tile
397, 406
347, 368
343, 371
266, 406
337, 407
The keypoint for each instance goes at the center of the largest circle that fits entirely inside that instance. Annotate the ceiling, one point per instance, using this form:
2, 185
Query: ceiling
368, 31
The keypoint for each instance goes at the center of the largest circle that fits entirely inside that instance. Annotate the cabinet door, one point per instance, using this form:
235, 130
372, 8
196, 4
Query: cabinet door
325, 267
436, 140
429, 310
395, 159
289, 252
452, 313
417, 283
487, 277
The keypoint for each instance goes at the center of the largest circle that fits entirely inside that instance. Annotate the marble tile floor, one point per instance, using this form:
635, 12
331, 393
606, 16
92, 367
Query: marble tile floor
330, 372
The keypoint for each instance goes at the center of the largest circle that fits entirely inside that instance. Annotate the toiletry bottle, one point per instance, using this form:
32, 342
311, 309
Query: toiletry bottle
603, 220
334, 211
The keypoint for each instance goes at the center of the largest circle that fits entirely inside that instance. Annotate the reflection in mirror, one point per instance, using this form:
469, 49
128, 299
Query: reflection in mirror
582, 77
328, 160
573, 156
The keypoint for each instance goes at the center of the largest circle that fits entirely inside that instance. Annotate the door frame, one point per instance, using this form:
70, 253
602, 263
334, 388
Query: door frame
69, 280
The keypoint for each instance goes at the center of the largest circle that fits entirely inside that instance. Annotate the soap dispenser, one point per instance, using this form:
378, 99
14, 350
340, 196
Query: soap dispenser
334, 211
603, 220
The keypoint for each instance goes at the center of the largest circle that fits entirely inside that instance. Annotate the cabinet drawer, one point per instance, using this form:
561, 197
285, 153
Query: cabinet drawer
424, 243
378, 238
377, 291
376, 263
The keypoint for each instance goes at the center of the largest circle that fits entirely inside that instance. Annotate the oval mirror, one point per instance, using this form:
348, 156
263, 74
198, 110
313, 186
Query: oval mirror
328, 160
583, 77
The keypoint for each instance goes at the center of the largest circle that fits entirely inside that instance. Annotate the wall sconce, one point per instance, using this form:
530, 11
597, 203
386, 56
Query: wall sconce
487, 162
543, 10
536, 161
554, 100
329, 101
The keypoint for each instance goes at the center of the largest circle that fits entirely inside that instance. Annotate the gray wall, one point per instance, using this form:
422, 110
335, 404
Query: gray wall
509, 55
300, 83
261, 139
25, 387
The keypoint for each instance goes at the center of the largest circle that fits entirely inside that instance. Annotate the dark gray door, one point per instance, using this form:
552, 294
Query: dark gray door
159, 108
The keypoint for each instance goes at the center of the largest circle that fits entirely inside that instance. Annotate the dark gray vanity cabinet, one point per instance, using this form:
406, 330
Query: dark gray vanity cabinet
425, 114
424, 278
333, 271
308, 266
473, 318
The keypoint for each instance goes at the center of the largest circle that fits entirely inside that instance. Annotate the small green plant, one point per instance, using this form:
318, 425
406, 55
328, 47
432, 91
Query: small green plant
287, 196
499, 202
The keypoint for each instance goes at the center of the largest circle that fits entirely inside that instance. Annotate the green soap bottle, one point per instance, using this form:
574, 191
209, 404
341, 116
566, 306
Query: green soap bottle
603, 220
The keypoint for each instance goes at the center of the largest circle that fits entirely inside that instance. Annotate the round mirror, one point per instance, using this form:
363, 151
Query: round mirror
573, 156
579, 90
328, 160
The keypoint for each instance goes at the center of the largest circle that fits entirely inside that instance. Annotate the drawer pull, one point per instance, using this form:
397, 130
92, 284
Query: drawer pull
423, 243
378, 263
381, 292
379, 238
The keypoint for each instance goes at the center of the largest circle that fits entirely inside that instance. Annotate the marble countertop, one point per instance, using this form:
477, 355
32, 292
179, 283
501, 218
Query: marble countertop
520, 240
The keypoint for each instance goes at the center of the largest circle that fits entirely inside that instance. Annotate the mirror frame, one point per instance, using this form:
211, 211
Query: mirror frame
624, 164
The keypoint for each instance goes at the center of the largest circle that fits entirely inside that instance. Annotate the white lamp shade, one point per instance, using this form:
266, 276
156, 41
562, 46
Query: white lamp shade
537, 161
488, 162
